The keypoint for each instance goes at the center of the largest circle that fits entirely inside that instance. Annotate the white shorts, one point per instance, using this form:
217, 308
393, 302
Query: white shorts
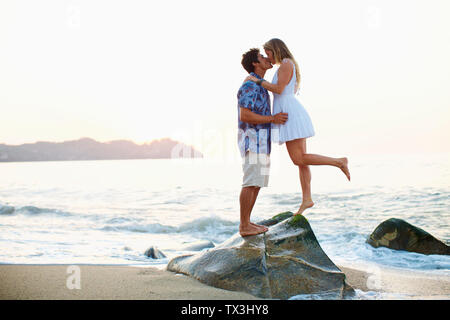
256, 167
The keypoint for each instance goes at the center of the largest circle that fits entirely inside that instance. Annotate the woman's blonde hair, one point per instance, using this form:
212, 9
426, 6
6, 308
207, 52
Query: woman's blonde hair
280, 52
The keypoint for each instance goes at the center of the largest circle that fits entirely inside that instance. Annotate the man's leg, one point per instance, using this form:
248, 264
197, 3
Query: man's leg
247, 200
255, 195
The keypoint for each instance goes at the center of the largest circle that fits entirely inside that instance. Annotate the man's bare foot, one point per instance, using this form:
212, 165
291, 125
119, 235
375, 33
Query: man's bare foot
251, 230
259, 226
305, 205
344, 167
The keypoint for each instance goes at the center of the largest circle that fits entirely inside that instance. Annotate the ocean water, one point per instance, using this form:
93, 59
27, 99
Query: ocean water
110, 212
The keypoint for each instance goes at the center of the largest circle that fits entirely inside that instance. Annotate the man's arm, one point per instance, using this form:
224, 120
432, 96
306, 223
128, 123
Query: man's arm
285, 73
246, 115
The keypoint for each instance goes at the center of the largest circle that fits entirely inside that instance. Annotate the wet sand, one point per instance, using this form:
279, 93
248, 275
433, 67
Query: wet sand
138, 283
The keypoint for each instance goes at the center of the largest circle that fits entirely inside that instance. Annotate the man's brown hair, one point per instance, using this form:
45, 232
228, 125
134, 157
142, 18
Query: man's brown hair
248, 58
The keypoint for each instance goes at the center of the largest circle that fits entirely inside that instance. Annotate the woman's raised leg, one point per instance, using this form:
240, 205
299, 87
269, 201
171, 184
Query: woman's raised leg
297, 152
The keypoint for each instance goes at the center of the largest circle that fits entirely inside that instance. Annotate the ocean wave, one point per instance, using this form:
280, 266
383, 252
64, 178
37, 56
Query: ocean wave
346, 197
31, 211
413, 196
206, 223
376, 295
359, 295
357, 250
141, 228
6, 210
212, 225
117, 220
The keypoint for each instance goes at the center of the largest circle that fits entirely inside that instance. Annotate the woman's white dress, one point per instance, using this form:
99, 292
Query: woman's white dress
299, 123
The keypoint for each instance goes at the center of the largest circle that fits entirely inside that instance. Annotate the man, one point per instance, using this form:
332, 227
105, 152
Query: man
254, 119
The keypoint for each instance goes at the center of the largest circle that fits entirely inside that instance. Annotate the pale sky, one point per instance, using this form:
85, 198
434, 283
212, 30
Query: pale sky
375, 74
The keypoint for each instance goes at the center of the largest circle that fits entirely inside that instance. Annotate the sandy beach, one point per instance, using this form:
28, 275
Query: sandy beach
138, 283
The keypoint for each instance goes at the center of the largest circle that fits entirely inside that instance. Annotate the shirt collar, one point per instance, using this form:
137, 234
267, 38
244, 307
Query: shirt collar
255, 75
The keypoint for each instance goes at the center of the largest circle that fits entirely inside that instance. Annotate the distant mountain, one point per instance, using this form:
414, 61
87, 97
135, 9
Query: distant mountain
89, 149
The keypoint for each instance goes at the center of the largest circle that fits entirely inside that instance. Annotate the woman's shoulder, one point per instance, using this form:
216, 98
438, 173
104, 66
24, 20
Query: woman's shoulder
287, 61
286, 65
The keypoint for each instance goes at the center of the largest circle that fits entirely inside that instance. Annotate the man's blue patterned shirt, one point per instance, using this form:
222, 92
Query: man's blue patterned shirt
254, 137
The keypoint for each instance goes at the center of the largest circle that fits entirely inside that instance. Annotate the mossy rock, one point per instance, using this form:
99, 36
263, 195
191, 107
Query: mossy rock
283, 262
276, 218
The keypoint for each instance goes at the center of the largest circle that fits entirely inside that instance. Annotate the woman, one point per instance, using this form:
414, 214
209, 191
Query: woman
298, 127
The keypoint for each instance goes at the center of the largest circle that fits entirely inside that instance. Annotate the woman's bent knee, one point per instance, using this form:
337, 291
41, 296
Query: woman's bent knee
299, 162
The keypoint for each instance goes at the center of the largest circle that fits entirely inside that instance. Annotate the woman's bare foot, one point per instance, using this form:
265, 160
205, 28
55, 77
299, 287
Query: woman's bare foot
344, 167
251, 230
305, 205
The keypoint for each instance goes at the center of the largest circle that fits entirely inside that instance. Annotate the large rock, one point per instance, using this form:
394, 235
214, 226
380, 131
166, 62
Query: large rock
285, 261
400, 235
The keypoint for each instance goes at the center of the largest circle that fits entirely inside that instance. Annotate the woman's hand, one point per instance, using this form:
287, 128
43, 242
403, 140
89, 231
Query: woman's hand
251, 78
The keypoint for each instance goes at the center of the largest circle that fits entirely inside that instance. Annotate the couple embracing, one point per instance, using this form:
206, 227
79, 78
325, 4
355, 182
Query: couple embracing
289, 124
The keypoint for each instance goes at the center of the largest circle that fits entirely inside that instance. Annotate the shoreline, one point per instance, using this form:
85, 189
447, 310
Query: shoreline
111, 282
